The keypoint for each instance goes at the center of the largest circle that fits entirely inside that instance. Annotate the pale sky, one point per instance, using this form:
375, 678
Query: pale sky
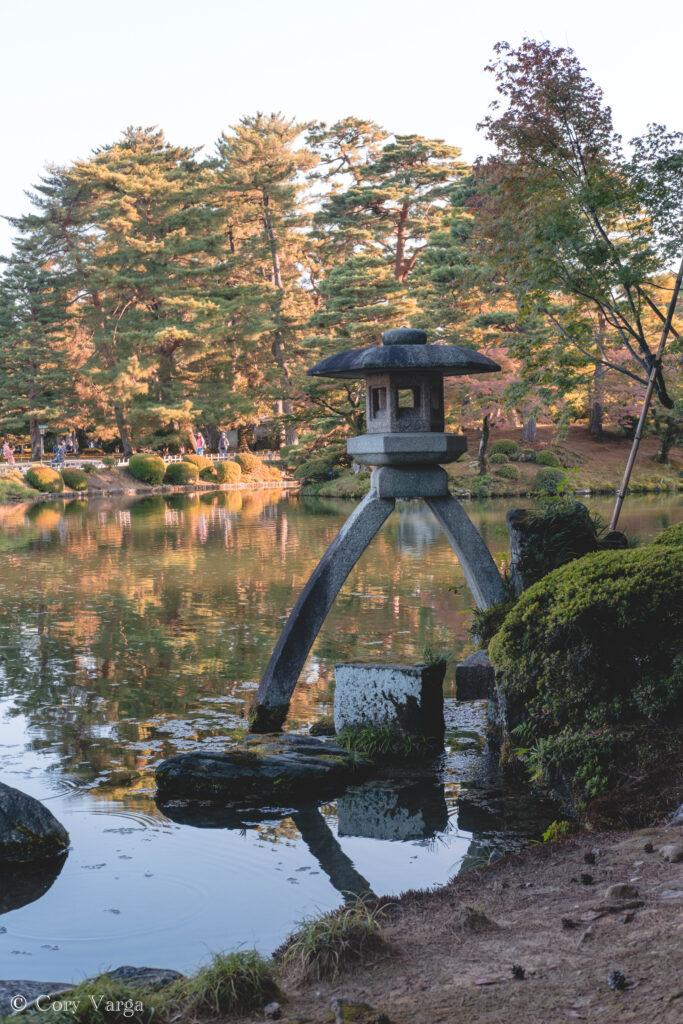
75, 73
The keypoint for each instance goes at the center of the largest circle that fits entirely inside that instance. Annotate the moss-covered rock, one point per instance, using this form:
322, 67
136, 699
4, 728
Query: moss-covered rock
263, 769
149, 469
181, 473
28, 830
44, 479
592, 664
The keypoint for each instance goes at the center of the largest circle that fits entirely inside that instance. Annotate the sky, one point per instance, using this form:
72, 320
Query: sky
75, 73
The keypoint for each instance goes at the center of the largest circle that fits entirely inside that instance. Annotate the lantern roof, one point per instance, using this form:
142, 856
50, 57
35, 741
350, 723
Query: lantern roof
404, 349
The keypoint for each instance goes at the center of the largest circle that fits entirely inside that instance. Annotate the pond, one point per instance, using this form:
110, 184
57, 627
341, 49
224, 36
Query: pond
131, 630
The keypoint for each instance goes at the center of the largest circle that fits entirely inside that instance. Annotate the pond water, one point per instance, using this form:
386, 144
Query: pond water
131, 630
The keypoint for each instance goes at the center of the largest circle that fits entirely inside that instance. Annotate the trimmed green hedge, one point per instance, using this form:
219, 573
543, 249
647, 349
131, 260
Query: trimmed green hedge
504, 448
549, 480
547, 459
76, 479
507, 472
228, 472
200, 461
44, 479
592, 665
671, 537
248, 463
181, 473
148, 468
499, 459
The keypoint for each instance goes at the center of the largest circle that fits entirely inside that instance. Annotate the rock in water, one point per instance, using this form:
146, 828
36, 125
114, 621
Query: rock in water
281, 767
28, 831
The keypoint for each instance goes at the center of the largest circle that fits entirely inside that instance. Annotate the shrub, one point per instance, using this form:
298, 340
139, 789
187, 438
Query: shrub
547, 459
671, 537
507, 472
322, 947
88, 468
233, 983
481, 487
108, 460
200, 461
181, 473
248, 463
499, 459
44, 479
228, 472
148, 468
76, 479
208, 473
592, 661
314, 471
504, 448
549, 480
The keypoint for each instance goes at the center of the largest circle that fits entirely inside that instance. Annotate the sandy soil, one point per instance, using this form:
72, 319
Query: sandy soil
544, 911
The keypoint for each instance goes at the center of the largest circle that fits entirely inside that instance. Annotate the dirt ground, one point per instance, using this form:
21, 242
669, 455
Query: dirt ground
544, 911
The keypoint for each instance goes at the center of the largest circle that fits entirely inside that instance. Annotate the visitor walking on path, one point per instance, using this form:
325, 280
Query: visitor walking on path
199, 441
223, 446
8, 453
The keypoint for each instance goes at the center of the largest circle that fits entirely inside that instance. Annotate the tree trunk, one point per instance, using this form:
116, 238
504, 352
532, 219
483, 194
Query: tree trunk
597, 399
483, 445
35, 440
529, 430
245, 434
124, 432
211, 433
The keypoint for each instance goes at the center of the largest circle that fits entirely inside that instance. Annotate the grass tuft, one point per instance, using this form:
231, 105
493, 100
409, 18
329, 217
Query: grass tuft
323, 947
231, 983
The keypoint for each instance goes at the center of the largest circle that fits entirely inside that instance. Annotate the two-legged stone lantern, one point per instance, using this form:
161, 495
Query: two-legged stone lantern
407, 446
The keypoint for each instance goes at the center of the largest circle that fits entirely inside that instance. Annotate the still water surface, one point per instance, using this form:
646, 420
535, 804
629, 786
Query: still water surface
131, 630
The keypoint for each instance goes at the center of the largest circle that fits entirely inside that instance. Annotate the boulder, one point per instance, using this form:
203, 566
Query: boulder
145, 977
264, 769
28, 831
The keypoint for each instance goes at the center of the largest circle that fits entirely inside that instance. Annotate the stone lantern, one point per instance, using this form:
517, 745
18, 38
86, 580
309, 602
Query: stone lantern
406, 445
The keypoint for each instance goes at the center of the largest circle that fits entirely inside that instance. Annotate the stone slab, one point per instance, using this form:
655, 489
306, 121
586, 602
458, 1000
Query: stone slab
409, 449
411, 482
264, 769
475, 677
408, 697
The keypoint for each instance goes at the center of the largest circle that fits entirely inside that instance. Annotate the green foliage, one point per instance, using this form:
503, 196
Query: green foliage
148, 468
547, 459
228, 472
499, 459
200, 461
233, 983
109, 461
317, 470
87, 468
44, 479
507, 472
384, 741
558, 830
208, 473
504, 447
323, 726
323, 947
591, 657
181, 473
487, 621
549, 480
76, 479
13, 488
481, 487
671, 537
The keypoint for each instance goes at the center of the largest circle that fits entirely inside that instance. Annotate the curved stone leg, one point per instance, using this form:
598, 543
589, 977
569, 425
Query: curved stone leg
271, 702
475, 558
